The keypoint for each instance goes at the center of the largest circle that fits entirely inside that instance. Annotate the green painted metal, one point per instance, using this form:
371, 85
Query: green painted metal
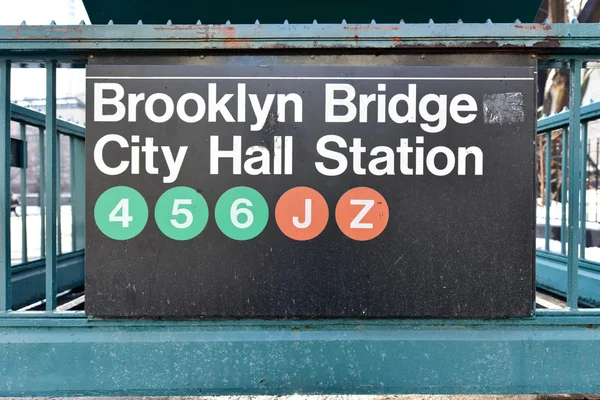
37, 119
548, 187
564, 160
298, 358
5, 268
574, 183
586, 264
42, 140
583, 188
551, 275
58, 196
560, 120
76, 43
78, 192
23, 190
331, 11
51, 178
74, 226
29, 280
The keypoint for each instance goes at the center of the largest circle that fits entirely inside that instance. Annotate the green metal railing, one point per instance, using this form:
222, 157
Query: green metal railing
546, 126
26, 117
558, 125
65, 353
28, 272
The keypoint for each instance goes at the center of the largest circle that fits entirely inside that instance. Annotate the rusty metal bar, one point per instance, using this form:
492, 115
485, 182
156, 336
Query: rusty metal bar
543, 38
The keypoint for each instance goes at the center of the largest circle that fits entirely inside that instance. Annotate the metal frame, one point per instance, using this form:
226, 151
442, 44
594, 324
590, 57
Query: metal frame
69, 354
551, 267
82, 39
28, 277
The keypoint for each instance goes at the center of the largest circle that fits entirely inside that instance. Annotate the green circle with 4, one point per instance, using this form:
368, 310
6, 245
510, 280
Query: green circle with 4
181, 213
121, 213
241, 213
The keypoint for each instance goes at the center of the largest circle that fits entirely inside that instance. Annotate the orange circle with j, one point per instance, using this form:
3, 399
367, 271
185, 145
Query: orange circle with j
301, 213
362, 213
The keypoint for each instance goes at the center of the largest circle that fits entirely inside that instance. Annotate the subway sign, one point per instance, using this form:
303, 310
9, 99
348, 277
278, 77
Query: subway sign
310, 190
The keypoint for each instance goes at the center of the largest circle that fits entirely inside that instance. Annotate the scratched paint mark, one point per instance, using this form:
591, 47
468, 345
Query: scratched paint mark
503, 108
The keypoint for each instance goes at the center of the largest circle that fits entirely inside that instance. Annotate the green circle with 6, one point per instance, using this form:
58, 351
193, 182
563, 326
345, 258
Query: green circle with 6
241, 213
181, 213
121, 213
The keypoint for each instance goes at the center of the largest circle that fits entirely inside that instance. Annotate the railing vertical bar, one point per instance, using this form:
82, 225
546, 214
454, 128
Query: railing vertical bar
548, 187
575, 184
78, 192
596, 178
563, 191
42, 199
5, 268
583, 189
51, 186
73, 193
23, 190
59, 197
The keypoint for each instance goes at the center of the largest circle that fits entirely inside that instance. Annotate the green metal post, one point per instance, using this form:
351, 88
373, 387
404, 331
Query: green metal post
575, 184
596, 176
59, 197
42, 194
563, 191
51, 186
548, 187
78, 192
23, 199
584, 172
73, 205
5, 269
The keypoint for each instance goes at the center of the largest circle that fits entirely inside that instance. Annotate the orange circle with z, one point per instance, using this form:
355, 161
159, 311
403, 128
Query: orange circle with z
362, 213
301, 213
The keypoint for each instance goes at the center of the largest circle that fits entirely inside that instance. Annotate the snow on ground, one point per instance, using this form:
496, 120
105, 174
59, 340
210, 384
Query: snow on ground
593, 214
34, 233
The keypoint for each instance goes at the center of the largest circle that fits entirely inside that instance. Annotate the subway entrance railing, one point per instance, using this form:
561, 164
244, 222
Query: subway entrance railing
55, 352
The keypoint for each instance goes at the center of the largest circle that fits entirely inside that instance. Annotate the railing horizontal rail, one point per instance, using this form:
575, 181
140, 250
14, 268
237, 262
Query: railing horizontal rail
38, 119
41, 261
583, 263
23, 39
559, 120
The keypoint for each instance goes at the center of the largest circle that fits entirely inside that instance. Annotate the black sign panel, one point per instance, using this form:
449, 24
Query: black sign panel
18, 155
274, 191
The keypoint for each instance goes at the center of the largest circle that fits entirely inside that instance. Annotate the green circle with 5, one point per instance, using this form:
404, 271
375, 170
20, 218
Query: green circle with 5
181, 213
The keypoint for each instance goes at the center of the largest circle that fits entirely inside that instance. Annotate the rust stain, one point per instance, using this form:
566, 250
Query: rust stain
21, 31
230, 36
235, 43
229, 31
492, 43
398, 43
277, 46
78, 28
534, 27
549, 42
372, 27
180, 28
